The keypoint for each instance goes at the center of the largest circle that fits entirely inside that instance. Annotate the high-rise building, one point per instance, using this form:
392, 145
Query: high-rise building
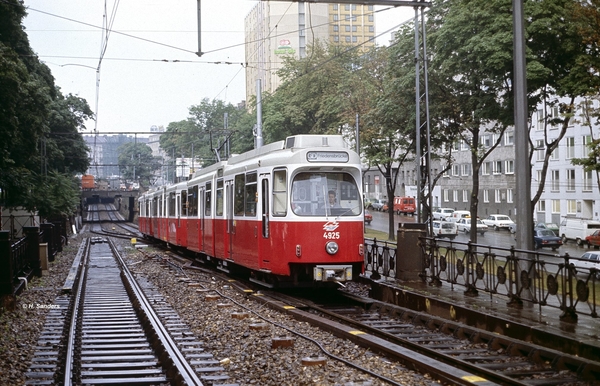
276, 29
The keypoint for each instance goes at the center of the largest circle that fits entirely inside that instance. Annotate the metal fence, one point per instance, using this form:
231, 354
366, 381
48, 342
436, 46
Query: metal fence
542, 278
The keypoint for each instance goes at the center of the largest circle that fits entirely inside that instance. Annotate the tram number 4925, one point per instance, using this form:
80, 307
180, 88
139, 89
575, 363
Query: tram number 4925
331, 235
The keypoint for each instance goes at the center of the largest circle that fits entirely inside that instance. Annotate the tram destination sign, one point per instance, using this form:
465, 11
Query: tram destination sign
327, 156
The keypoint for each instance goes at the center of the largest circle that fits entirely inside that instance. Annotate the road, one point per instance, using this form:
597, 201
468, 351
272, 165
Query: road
500, 238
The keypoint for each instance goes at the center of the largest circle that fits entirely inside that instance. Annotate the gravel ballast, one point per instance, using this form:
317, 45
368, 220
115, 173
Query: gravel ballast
246, 353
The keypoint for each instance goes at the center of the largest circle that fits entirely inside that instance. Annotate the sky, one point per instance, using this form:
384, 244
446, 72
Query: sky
149, 74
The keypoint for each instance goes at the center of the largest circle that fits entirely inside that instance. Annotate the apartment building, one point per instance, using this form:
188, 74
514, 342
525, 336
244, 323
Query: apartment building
569, 191
276, 29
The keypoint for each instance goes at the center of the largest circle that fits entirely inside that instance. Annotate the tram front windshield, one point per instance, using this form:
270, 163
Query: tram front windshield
325, 194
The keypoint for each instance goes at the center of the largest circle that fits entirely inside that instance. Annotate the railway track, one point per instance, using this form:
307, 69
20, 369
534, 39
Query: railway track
108, 329
455, 347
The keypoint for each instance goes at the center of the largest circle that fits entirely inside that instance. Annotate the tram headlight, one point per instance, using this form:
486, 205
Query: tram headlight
331, 247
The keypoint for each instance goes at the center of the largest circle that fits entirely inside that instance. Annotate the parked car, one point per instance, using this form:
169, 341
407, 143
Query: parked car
548, 225
368, 217
588, 261
498, 221
464, 224
577, 229
513, 227
377, 204
546, 238
385, 207
458, 214
444, 229
593, 239
442, 213
367, 203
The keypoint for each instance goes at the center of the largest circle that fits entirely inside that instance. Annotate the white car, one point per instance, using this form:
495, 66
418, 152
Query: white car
442, 213
377, 204
498, 221
464, 224
444, 229
587, 261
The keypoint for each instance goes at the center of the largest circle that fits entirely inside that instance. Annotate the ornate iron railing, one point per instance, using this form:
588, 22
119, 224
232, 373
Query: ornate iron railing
542, 278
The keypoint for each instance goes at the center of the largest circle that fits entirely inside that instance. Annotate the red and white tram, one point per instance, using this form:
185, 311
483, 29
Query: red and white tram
289, 213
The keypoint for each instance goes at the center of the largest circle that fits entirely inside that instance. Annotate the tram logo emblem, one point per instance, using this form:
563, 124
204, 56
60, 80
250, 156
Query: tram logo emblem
330, 226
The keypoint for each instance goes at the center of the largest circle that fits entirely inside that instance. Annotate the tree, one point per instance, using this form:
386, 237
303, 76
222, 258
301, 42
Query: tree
136, 162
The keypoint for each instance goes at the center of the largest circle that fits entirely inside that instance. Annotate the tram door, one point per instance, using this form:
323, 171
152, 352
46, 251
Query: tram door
263, 241
229, 216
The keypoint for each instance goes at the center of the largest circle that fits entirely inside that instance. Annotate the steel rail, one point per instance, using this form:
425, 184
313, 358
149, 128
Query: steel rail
184, 370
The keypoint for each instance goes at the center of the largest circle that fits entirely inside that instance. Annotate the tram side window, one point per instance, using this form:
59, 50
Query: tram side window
280, 192
219, 208
238, 201
193, 201
155, 207
184, 202
207, 199
251, 194
171, 206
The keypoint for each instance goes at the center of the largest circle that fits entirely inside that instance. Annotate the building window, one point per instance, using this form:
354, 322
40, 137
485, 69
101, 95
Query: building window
466, 169
556, 206
509, 195
371, 28
335, 18
347, 39
554, 155
570, 147
347, 7
336, 28
354, 28
497, 195
571, 206
336, 38
570, 180
465, 194
486, 195
485, 140
485, 168
509, 138
371, 18
541, 206
455, 195
587, 140
354, 39
540, 120
335, 7
509, 167
370, 7
464, 145
587, 181
347, 28
539, 179
497, 167
446, 195
540, 150
555, 174
456, 170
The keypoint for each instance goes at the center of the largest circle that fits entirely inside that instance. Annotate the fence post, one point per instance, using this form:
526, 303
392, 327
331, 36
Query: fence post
32, 256
7, 296
6, 268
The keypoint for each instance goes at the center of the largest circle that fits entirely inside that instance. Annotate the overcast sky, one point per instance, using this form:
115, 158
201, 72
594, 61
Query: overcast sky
149, 74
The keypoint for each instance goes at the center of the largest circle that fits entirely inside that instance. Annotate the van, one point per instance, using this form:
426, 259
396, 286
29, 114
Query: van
404, 205
444, 229
577, 229
458, 214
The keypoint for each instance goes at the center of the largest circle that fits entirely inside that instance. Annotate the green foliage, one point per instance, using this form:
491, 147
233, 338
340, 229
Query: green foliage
41, 148
204, 134
136, 162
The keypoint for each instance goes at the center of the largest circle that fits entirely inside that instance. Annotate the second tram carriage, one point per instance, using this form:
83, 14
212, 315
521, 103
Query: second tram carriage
289, 213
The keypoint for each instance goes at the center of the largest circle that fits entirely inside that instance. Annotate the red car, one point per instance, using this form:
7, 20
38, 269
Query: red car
368, 217
594, 239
